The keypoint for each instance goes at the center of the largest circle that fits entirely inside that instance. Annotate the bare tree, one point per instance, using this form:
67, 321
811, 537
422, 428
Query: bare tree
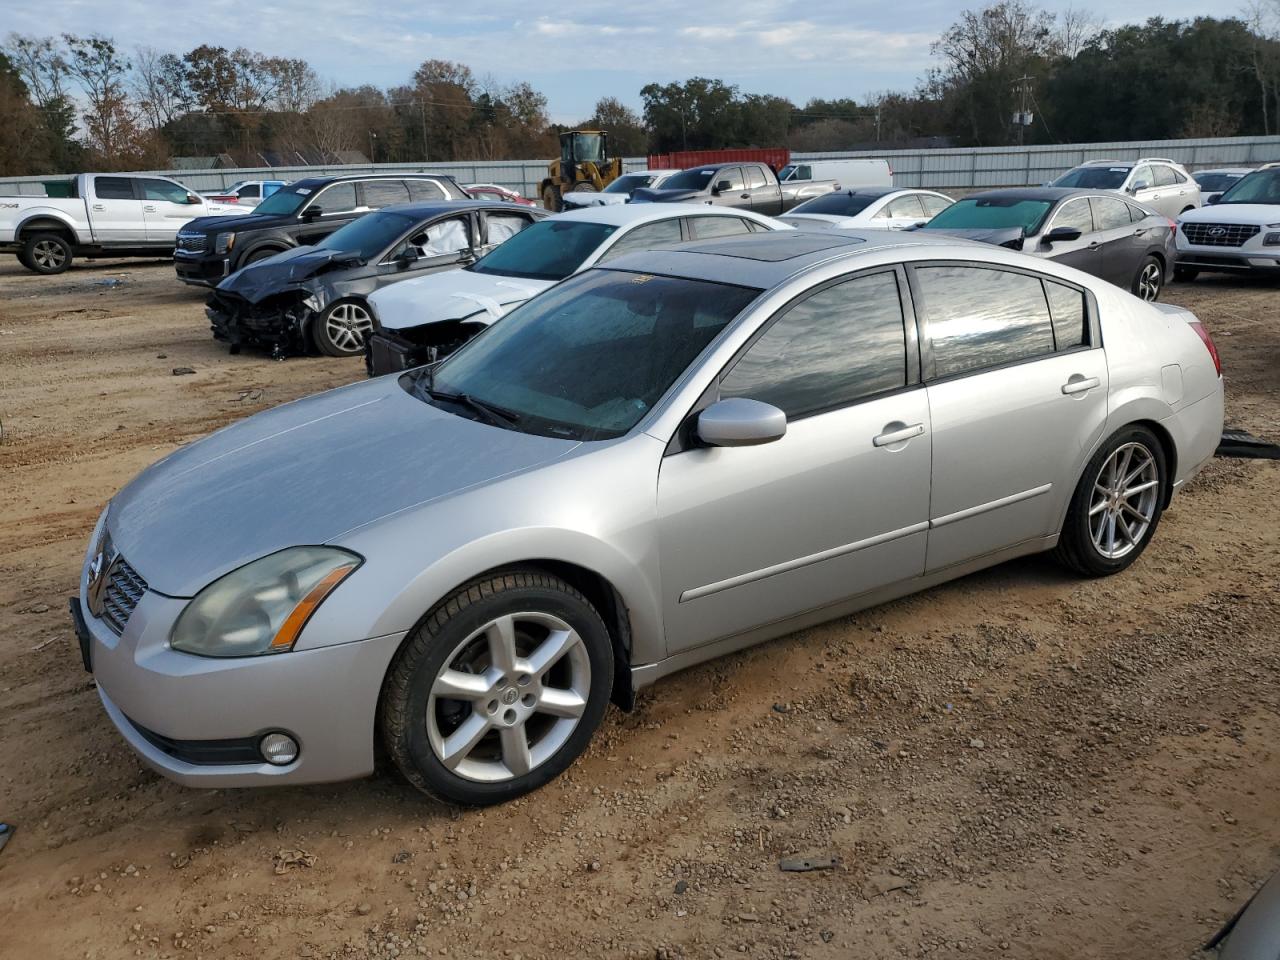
1076, 27
41, 65
1263, 18
160, 86
102, 75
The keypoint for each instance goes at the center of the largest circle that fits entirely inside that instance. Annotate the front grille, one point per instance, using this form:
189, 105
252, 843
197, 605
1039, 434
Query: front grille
193, 242
124, 589
1219, 234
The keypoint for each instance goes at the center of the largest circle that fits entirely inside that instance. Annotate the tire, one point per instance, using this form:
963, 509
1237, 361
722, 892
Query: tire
1149, 279
551, 199
532, 615
342, 329
46, 253
583, 186
1092, 542
257, 256
1185, 274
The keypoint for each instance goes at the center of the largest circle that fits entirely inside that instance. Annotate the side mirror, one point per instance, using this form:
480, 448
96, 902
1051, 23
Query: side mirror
721, 186
192, 198
1212, 198
312, 213
1140, 185
740, 422
408, 255
1061, 233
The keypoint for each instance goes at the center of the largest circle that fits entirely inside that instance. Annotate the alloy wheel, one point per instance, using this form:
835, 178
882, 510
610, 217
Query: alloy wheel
1125, 495
347, 326
1149, 281
48, 255
508, 697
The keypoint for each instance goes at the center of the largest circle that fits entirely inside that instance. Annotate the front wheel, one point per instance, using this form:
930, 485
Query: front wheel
551, 199
1117, 505
499, 690
1149, 280
341, 331
45, 253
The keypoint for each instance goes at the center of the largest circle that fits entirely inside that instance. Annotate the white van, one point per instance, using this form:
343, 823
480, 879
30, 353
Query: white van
846, 173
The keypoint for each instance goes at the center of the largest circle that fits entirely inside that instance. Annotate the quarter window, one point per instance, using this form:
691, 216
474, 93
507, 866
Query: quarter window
1066, 305
1074, 213
113, 188
1110, 213
1136, 213
339, 198
906, 207
933, 205
384, 193
839, 345
420, 190
664, 233
706, 227
979, 317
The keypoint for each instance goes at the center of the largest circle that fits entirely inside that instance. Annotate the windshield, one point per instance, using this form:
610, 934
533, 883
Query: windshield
549, 250
1093, 178
1216, 182
1261, 186
991, 213
632, 181
690, 179
368, 236
588, 147
837, 204
284, 201
590, 357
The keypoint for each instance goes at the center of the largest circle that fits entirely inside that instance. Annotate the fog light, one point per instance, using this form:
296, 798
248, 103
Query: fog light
279, 749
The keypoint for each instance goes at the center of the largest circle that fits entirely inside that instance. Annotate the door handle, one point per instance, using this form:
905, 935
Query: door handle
746, 196
1093, 244
99, 206
1079, 384
897, 436
149, 209
1138, 233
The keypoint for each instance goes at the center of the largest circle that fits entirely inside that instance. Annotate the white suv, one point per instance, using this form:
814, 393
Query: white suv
1156, 182
1238, 232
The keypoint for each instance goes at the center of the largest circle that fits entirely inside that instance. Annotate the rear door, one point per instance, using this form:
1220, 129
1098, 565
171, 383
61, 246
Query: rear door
766, 198
165, 208
900, 213
384, 193
116, 211
1122, 244
500, 226
1017, 386
1083, 253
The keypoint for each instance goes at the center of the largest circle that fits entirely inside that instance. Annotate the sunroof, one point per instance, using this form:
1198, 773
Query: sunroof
774, 247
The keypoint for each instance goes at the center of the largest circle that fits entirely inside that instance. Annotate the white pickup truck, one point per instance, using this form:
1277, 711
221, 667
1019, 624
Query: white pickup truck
105, 215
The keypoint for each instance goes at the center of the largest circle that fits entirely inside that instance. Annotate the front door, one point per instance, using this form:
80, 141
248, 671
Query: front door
115, 212
732, 189
165, 209
443, 245
1082, 253
837, 507
1018, 396
337, 205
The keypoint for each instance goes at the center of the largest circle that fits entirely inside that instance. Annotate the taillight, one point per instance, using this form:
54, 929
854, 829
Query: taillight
1203, 334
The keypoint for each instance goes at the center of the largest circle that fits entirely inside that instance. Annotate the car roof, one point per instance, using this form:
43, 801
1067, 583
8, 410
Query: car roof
314, 182
624, 214
431, 208
627, 173
766, 260
1225, 170
1052, 194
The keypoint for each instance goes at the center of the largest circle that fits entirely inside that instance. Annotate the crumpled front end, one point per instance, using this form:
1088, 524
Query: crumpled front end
277, 323
394, 351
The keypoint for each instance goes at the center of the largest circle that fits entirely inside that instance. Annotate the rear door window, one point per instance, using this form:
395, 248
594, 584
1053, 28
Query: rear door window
503, 226
979, 317
907, 207
1164, 175
755, 177
113, 188
933, 205
384, 193
1110, 213
705, 227
425, 190
1070, 321
663, 233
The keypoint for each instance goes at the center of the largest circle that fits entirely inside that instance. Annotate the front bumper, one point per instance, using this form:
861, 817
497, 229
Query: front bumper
1251, 257
385, 352
277, 324
201, 271
173, 708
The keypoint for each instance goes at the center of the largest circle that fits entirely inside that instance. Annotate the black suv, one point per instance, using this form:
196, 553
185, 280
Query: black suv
304, 212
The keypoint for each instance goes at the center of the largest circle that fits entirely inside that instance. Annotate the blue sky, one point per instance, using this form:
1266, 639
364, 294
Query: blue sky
794, 49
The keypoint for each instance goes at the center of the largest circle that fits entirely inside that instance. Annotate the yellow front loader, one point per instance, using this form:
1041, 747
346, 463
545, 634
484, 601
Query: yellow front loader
584, 164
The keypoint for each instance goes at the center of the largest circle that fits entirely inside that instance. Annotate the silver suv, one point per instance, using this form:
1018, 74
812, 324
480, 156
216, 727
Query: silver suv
1157, 182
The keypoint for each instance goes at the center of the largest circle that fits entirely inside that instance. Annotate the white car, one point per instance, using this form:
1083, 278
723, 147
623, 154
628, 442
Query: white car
1237, 233
421, 320
881, 208
617, 192
1156, 182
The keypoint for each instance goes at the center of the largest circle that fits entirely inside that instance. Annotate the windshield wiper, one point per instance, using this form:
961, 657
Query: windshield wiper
498, 416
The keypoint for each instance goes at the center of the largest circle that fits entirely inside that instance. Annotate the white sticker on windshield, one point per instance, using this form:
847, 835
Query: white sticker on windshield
303, 190
1119, 169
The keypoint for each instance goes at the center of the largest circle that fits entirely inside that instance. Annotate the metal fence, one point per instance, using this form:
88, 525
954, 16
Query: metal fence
958, 168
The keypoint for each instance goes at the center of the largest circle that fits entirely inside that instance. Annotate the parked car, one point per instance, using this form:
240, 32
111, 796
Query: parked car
1254, 932
883, 208
1238, 233
105, 215
425, 319
1155, 182
619, 191
247, 193
304, 212
492, 191
664, 459
1093, 231
317, 296
747, 186
842, 173
1213, 182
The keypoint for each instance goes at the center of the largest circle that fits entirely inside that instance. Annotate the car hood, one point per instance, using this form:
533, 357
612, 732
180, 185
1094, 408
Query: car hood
305, 473
1259, 213
266, 277
998, 236
452, 295
659, 195
580, 198
244, 221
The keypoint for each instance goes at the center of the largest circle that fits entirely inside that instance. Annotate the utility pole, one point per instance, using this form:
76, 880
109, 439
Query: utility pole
422, 113
1022, 119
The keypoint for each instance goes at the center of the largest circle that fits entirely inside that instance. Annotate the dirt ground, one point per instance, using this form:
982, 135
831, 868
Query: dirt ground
1019, 764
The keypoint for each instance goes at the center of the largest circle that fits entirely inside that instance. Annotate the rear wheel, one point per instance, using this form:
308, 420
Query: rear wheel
341, 331
1117, 506
551, 199
499, 690
1149, 280
46, 253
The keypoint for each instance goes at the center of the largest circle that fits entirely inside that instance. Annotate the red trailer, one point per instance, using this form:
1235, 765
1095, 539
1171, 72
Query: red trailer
776, 157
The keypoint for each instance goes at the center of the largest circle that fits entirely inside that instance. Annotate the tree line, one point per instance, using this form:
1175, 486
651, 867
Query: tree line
78, 102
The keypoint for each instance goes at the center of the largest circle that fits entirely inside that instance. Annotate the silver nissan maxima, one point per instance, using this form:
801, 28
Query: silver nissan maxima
653, 463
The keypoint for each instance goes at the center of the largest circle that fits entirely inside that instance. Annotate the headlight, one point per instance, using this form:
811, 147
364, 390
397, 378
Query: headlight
224, 242
263, 606
1271, 240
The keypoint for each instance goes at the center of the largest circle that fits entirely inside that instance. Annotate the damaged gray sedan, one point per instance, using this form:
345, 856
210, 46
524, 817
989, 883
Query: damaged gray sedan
315, 297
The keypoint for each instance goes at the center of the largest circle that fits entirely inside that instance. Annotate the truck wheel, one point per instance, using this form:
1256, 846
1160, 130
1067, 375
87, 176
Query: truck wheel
342, 329
551, 199
46, 253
